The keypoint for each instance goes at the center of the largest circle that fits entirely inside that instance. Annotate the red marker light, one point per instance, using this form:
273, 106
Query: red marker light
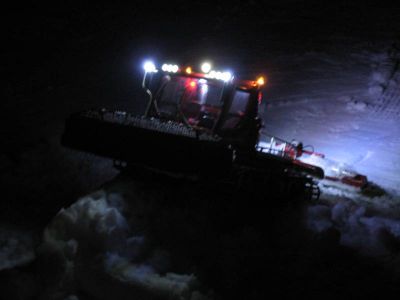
192, 84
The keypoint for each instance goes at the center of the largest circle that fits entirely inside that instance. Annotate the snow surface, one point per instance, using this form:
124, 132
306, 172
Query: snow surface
16, 247
96, 242
100, 244
346, 105
371, 225
104, 237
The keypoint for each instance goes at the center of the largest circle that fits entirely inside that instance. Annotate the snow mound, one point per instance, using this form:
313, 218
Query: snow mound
92, 241
370, 226
145, 276
16, 248
374, 198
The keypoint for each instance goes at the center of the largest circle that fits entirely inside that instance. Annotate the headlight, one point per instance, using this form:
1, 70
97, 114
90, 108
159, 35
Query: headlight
206, 67
149, 67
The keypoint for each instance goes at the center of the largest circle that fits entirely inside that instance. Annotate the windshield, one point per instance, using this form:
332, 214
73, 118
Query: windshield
237, 110
197, 101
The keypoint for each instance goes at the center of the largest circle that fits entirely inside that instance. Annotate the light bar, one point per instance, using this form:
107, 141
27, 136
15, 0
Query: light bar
149, 67
225, 76
170, 68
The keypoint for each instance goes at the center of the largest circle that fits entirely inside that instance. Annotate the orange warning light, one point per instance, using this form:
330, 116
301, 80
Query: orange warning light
260, 81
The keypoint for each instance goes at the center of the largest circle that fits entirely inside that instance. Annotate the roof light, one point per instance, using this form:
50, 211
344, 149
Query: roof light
225, 76
175, 68
170, 68
149, 67
212, 74
188, 70
206, 67
260, 81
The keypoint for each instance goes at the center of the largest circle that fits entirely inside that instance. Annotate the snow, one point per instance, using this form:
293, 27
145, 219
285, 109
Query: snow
16, 247
346, 107
146, 277
370, 225
370, 235
94, 239
103, 237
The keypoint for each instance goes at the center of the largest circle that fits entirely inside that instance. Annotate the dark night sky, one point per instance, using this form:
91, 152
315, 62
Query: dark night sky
37, 34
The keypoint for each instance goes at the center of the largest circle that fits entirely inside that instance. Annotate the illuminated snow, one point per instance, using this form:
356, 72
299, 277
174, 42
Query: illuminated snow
94, 240
345, 105
371, 235
370, 225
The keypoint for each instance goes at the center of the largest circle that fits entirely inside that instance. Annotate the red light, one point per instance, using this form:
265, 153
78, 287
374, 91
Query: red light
192, 84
